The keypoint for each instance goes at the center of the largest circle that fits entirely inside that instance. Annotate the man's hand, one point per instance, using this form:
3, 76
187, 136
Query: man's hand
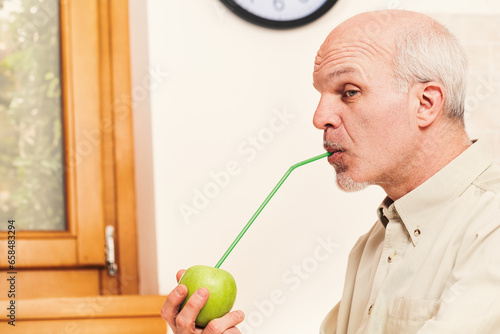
183, 322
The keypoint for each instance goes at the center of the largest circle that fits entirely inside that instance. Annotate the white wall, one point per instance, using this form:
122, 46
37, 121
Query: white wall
215, 83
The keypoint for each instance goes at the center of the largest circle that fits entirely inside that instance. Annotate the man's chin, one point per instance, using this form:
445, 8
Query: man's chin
347, 184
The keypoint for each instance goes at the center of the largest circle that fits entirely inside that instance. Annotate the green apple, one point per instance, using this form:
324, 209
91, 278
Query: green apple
220, 284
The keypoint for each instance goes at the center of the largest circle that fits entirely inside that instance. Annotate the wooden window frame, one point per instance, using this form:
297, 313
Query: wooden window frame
99, 163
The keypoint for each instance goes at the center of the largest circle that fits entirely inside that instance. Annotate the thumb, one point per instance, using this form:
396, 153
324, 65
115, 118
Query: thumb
179, 274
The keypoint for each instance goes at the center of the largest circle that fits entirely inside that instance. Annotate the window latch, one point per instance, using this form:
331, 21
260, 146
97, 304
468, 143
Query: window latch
110, 251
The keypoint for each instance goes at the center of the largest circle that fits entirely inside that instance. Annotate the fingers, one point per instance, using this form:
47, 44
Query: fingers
225, 324
185, 319
179, 274
171, 306
232, 330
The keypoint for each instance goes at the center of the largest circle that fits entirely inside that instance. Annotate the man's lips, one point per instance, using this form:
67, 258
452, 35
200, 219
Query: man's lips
335, 149
336, 154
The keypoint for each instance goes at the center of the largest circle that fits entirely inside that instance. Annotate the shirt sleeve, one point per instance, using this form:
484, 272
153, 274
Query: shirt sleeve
471, 301
329, 325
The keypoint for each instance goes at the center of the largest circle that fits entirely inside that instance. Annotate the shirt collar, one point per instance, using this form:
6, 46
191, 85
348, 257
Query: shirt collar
419, 206
383, 211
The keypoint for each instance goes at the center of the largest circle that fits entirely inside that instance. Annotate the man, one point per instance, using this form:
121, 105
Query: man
392, 87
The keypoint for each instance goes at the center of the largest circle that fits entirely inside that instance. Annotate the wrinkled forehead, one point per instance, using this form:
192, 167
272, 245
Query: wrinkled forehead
355, 49
368, 37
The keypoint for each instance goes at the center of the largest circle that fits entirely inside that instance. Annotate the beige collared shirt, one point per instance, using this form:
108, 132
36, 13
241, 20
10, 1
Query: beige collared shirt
434, 268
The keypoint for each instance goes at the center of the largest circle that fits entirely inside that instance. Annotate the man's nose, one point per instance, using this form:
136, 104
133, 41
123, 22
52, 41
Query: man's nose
326, 115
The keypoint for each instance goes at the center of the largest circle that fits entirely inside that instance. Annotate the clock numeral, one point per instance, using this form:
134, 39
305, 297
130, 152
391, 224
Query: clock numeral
279, 5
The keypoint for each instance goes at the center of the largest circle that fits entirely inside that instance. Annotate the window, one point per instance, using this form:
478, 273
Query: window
71, 162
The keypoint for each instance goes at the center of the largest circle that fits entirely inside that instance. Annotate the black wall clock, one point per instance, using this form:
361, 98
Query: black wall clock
279, 14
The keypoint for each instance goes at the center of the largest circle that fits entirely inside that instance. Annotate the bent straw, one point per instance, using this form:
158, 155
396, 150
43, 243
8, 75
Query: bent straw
261, 207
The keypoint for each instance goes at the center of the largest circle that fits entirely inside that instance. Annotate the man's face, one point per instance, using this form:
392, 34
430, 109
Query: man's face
367, 122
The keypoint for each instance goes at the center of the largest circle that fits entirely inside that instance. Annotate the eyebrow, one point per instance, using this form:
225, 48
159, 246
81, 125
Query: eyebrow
344, 70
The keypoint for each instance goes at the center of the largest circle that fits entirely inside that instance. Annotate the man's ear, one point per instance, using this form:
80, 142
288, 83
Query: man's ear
431, 96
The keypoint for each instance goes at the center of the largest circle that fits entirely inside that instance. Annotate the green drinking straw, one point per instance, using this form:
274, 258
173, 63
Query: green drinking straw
261, 207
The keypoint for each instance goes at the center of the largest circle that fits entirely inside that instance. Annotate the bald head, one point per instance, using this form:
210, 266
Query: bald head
378, 28
383, 22
415, 46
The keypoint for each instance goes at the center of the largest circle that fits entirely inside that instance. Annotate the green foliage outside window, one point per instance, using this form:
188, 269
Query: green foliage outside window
31, 144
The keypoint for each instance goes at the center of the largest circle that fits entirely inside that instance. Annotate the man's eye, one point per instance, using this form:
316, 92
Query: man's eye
350, 93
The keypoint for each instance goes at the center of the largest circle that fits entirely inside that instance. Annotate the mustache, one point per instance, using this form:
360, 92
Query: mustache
331, 146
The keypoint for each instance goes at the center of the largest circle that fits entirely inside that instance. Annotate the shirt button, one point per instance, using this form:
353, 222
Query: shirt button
370, 309
416, 232
391, 258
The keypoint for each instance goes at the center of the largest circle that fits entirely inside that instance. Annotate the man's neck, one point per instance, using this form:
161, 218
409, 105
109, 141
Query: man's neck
434, 153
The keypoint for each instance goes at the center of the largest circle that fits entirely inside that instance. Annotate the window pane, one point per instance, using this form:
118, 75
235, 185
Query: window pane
31, 144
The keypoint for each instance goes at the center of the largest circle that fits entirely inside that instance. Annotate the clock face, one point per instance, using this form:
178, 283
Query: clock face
279, 13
